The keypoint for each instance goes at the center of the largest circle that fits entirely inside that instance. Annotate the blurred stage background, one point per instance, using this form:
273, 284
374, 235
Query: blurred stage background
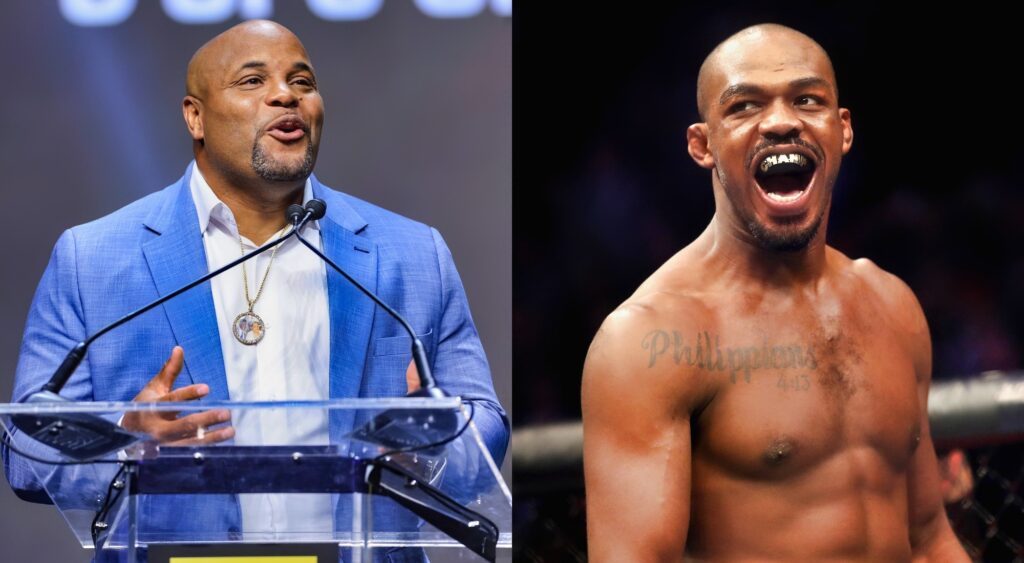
605, 192
418, 120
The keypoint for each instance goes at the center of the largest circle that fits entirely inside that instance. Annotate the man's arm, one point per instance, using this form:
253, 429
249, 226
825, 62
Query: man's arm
931, 537
637, 408
460, 365
55, 323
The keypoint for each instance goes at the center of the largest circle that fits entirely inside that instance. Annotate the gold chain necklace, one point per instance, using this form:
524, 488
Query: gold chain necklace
248, 327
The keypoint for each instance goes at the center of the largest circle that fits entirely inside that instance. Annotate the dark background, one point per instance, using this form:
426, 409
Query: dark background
605, 191
418, 120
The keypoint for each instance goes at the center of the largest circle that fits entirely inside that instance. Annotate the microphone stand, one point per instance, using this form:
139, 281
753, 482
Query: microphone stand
85, 437
394, 428
421, 430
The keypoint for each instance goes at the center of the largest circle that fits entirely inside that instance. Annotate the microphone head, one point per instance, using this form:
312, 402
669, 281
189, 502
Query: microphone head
318, 207
295, 213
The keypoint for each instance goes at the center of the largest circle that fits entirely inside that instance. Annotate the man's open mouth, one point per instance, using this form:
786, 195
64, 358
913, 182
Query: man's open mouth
785, 177
288, 128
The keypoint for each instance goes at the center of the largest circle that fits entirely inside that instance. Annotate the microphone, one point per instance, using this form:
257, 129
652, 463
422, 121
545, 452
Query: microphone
84, 436
394, 428
296, 213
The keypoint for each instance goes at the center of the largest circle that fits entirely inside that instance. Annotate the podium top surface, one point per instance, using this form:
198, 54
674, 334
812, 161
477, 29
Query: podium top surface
100, 407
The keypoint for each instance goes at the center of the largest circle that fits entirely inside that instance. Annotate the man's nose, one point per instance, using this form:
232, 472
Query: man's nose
281, 94
780, 120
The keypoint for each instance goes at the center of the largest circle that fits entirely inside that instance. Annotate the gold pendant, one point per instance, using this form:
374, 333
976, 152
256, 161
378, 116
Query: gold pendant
248, 328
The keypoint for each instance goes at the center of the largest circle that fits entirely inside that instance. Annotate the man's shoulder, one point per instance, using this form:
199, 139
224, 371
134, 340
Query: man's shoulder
654, 303
640, 341
888, 292
881, 284
401, 244
128, 220
369, 219
669, 302
677, 292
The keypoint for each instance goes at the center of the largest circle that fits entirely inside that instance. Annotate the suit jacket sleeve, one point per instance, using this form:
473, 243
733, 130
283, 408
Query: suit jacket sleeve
460, 365
55, 324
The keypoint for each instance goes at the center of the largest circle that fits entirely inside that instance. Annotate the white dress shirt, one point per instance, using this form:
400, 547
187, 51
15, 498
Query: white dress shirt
290, 362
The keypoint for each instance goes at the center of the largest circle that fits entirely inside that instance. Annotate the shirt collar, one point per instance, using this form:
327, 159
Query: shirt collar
210, 208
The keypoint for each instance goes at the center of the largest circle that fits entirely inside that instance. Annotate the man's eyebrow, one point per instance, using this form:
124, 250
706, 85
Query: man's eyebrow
811, 82
299, 65
747, 88
253, 64
739, 89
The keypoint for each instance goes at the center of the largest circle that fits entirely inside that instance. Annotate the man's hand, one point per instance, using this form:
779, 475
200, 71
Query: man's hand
412, 377
165, 426
956, 479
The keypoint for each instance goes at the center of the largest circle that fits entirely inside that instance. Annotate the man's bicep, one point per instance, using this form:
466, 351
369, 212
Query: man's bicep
931, 537
636, 454
924, 499
928, 526
637, 498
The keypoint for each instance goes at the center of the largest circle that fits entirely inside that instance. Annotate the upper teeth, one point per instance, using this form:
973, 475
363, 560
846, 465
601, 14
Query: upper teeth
773, 159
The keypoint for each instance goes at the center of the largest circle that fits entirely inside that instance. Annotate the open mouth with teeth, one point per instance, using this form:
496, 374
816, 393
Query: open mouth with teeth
784, 178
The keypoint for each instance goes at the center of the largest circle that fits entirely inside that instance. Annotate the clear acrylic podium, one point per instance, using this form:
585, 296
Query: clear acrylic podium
389, 473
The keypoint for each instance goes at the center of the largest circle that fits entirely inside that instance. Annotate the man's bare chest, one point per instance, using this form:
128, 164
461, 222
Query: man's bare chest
791, 392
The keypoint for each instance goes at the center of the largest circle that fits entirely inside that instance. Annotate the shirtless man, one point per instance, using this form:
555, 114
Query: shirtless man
762, 397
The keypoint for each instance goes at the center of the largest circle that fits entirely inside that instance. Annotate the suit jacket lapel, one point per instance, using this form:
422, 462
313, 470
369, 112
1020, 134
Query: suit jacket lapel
176, 257
351, 312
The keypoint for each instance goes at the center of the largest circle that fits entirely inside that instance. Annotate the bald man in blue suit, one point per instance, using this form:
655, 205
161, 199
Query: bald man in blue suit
104, 269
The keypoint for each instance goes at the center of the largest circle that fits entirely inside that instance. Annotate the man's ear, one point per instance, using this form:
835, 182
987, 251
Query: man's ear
844, 117
698, 147
191, 110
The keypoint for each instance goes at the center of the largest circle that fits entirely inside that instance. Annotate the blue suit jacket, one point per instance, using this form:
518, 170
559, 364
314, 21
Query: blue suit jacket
102, 270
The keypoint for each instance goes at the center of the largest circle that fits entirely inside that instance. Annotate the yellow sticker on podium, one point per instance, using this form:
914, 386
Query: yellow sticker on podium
244, 553
248, 559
